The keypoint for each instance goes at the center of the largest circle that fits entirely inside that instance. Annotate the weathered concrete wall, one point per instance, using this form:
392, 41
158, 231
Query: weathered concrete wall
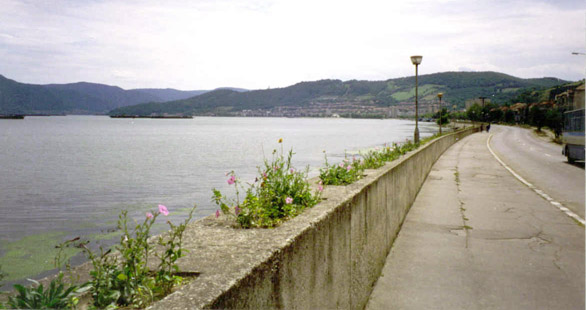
328, 257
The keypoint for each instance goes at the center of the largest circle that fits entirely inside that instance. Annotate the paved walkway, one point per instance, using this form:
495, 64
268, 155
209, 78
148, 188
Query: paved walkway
477, 238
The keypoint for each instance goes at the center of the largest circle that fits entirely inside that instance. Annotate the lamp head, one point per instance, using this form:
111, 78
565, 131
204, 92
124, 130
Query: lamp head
440, 95
416, 60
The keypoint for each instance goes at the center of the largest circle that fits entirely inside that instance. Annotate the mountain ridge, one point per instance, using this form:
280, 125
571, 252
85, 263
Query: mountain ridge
79, 97
95, 98
329, 94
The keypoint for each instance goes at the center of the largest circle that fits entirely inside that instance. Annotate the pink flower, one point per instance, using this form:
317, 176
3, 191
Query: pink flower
320, 182
163, 210
149, 215
320, 188
237, 210
264, 174
291, 170
217, 213
288, 200
276, 168
341, 165
348, 168
231, 180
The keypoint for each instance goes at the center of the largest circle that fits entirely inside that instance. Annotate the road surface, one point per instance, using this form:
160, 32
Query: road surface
478, 238
542, 164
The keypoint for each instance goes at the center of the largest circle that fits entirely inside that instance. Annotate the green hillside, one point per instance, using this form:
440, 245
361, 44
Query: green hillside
77, 98
456, 86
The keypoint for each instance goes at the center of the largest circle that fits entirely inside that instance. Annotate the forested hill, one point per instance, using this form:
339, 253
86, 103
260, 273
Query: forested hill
456, 86
76, 98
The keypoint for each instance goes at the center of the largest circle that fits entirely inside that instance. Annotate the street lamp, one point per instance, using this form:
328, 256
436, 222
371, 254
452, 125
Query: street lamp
440, 95
416, 60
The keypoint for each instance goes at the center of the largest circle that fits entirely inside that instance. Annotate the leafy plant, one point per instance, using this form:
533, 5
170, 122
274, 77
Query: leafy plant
376, 158
344, 173
279, 192
2, 275
166, 277
125, 279
104, 284
57, 296
348, 172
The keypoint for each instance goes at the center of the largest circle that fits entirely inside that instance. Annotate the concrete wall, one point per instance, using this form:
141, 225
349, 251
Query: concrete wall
328, 257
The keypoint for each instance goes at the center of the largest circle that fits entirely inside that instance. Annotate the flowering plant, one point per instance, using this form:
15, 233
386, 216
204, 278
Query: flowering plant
346, 172
278, 193
126, 280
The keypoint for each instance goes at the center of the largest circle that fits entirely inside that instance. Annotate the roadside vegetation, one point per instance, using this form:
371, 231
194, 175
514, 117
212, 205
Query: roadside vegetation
349, 171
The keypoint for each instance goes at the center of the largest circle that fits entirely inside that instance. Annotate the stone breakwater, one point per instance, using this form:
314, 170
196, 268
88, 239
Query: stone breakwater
328, 257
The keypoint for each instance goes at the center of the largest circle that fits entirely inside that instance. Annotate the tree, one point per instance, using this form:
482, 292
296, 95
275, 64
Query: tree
443, 117
554, 120
509, 116
474, 112
495, 115
537, 117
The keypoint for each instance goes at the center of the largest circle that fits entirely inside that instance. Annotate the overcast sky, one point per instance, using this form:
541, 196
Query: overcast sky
204, 44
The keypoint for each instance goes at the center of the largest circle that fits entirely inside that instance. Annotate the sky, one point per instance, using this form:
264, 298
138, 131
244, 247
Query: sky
253, 44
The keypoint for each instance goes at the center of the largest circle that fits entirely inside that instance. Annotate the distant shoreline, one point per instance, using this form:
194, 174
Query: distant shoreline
154, 116
12, 116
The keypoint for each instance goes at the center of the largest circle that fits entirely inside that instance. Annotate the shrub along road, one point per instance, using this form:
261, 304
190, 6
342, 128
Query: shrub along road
477, 238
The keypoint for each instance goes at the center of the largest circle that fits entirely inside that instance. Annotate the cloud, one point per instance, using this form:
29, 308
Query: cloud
255, 44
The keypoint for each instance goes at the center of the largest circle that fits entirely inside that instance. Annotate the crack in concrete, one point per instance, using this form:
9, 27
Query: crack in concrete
537, 237
556, 260
462, 209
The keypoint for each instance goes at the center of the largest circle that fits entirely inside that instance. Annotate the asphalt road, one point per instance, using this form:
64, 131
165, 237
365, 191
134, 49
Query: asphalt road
542, 164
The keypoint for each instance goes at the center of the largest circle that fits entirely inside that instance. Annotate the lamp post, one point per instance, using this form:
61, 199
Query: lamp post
416, 60
440, 95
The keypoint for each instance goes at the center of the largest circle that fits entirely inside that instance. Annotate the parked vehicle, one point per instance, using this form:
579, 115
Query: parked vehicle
573, 135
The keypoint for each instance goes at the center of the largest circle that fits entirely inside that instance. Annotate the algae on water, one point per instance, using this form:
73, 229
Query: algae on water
32, 255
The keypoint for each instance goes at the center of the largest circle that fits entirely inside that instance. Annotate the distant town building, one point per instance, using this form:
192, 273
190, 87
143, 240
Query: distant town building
573, 98
471, 102
578, 102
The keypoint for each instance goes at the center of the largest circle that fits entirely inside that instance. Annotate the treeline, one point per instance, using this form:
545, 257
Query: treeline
534, 107
538, 115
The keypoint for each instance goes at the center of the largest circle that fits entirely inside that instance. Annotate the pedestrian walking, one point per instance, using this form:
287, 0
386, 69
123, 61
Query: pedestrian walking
488, 127
481, 127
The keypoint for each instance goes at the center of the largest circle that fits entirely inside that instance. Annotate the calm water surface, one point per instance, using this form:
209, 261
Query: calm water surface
71, 175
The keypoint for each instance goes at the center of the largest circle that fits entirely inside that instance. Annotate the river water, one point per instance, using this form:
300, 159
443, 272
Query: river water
65, 176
